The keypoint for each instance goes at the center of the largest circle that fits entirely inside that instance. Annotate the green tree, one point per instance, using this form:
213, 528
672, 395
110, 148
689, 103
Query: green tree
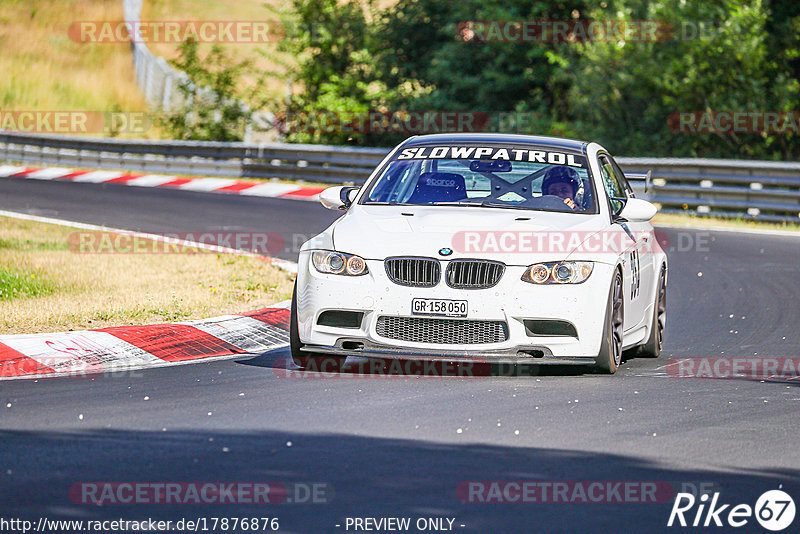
334, 43
782, 33
424, 47
211, 99
627, 94
723, 55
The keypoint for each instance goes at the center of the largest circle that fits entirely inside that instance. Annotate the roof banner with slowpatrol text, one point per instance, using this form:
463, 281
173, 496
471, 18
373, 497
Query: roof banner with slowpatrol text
492, 153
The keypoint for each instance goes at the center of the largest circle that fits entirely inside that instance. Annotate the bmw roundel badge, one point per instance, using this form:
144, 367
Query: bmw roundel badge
445, 251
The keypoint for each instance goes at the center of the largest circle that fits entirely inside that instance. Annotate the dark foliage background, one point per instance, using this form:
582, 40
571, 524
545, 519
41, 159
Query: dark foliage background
723, 55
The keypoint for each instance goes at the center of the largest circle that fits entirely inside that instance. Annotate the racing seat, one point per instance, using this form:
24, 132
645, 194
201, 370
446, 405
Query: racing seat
438, 187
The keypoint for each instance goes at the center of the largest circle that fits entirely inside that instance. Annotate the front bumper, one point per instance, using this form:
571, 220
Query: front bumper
511, 301
514, 355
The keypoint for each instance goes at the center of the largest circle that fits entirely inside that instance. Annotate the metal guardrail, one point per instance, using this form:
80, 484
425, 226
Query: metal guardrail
318, 163
762, 190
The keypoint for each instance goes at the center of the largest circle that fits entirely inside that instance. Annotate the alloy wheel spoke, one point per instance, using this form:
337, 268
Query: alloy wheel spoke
662, 310
617, 321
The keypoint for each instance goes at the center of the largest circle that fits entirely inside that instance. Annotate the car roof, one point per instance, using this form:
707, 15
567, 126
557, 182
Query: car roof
557, 143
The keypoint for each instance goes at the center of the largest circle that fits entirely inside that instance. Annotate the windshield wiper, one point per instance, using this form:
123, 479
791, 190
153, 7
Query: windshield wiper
470, 203
481, 204
457, 203
490, 204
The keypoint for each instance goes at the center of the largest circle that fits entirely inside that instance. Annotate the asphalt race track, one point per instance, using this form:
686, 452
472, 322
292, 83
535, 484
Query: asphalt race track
401, 446
163, 210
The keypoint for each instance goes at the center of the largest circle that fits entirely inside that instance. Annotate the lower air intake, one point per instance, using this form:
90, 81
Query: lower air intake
442, 331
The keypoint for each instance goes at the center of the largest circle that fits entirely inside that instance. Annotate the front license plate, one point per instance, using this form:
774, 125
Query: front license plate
447, 308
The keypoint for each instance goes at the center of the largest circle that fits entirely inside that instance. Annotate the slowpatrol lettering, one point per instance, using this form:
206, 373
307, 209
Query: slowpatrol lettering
490, 153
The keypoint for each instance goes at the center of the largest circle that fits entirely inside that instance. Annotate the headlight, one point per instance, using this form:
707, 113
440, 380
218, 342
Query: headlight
326, 261
559, 272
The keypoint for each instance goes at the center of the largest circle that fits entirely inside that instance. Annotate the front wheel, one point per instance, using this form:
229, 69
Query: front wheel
652, 348
308, 360
610, 355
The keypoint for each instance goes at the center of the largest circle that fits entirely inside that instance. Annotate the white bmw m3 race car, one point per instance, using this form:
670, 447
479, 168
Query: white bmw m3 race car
484, 247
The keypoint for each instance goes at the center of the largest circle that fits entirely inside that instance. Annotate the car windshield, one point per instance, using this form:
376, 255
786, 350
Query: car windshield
524, 177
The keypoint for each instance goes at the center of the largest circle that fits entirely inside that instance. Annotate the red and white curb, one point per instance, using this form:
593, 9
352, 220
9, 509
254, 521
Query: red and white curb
85, 353
211, 185
122, 348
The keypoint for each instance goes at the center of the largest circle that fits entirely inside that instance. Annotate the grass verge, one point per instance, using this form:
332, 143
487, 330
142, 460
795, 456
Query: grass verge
47, 288
264, 56
47, 71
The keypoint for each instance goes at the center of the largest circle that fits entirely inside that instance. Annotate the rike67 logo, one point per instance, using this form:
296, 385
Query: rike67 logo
774, 510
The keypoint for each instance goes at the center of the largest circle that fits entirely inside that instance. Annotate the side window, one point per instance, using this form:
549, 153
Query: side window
394, 183
613, 184
621, 177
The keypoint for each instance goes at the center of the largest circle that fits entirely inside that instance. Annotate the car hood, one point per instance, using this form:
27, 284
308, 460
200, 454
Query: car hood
507, 235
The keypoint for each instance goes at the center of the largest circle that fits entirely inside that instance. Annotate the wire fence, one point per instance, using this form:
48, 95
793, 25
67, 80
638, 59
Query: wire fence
161, 83
157, 79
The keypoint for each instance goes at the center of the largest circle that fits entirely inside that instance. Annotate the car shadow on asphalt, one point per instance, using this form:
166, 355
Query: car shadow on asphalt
281, 362
329, 477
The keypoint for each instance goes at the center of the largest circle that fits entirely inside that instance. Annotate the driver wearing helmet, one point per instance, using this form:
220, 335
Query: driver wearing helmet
562, 182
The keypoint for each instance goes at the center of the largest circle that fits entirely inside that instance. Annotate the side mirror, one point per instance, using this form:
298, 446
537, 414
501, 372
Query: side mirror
637, 210
338, 198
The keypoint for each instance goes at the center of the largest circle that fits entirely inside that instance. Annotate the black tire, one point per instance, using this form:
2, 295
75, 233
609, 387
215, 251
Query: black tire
652, 348
294, 335
308, 360
610, 355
